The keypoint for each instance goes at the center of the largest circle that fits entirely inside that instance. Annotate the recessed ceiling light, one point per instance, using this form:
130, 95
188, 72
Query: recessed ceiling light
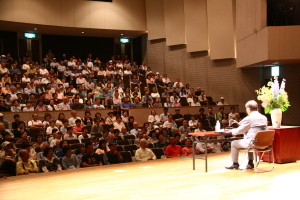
121, 33
35, 29
82, 32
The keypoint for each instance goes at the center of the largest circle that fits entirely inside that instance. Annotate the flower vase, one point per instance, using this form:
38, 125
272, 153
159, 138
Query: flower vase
276, 117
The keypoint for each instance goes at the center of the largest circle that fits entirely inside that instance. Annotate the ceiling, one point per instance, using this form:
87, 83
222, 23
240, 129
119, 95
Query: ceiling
59, 30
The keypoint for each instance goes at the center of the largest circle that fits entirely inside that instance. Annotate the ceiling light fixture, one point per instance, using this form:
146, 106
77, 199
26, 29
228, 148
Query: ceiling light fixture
121, 33
82, 32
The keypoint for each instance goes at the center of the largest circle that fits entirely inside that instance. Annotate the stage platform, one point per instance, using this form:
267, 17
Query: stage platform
159, 179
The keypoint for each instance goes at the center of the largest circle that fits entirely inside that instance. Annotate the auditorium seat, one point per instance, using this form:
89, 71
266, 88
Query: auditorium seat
123, 142
75, 146
85, 140
130, 148
150, 145
74, 141
127, 156
158, 152
187, 117
120, 148
127, 137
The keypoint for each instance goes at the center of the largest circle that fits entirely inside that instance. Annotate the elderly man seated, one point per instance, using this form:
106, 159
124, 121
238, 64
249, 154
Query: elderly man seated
143, 153
26, 166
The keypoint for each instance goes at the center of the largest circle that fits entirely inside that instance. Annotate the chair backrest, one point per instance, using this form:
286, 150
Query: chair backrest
123, 142
127, 137
85, 140
130, 148
264, 138
150, 145
126, 155
73, 141
158, 152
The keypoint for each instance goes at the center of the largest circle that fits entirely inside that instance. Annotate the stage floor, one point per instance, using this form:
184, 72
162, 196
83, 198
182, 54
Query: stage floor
159, 179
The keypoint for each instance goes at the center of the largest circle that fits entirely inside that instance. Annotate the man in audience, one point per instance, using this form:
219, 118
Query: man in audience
199, 128
97, 128
125, 105
90, 159
140, 136
112, 156
35, 122
146, 98
98, 104
4, 121
143, 153
110, 119
65, 104
135, 129
184, 130
77, 105
85, 134
170, 123
173, 150
164, 116
72, 120
210, 114
232, 114
222, 102
178, 116
193, 122
178, 81
26, 166
200, 147
219, 115
187, 150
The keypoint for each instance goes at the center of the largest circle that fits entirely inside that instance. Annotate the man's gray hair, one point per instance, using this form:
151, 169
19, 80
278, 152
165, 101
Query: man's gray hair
252, 105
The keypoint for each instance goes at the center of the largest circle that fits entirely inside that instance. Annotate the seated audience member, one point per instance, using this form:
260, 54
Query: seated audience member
187, 150
143, 153
96, 128
3, 130
193, 122
176, 102
200, 147
162, 143
8, 158
87, 120
222, 102
170, 123
39, 139
199, 128
135, 129
50, 162
147, 97
40, 155
200, 115
238, 117
168, 103
52, 106
140, 135
219, 115
72, 120
78, 128
157, 103
210, 114
61, 118
77, 105
65, 126
110, 119
165, 94
70, 161
195, 102
25, 165
85, 134
164, 116
152, 137
81, 152
51, 127
70, 134
98, 104
57, 136
184, 130
30, 149
20, 130
24, 138
154, 118
173, 150
99, 117
117, 135
47, 119
35, 122
90, 159
119, 124
65, 105
102, 148
125, 105
40, 106
202, 98
15, 106
4, 121
112, 156
232, 114
178, 116
225, 121
94, 142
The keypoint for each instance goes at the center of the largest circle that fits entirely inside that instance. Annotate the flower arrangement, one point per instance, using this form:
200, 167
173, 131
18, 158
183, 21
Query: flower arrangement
273, 96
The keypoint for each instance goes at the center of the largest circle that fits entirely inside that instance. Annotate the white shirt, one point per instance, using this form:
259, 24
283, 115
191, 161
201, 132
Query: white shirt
119, 125
195, 104
193, 123
31, 122
28, 109
80, 81
155, 95
44, 71
81, 137
25, 66
221, 104
90, 64
144, 154
72, 121
151, 118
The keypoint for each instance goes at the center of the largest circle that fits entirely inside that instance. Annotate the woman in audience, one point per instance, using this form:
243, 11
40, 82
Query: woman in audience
117, 100
81, 151
52, 106
125, 117
130, 122
183, 93
39, 139
161, 142
87, 120
147, 127
154, 118
28, 89
32, 100
176, 103
8, 101
47, 119
168, 103
187, 88
40, 106
18, 88
6, 88
20, 130
16, 79
24, 138
154, 93
173, 96
119, 124
165, 79
26, 78
157, 103
88, 104
102, 148
170, 87
153, 139
6, 78
70, 160
58, 148
49, 163
225, 121
55, 98
101, 72
99, 117
60, 119
15, 106
165, 134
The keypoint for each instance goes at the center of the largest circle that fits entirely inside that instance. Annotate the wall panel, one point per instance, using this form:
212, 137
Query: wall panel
196, 25
6, 10
21, 11
54, 12
37, 11
174, 20
139, 9
97, 14
82, 10
220, 29
155, 19
68, 13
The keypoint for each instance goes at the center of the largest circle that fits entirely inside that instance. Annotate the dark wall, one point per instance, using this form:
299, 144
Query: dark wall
78, 46
9, 43
137, 50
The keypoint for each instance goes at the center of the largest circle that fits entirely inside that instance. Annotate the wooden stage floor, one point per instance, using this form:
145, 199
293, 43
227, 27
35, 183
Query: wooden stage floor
159, 179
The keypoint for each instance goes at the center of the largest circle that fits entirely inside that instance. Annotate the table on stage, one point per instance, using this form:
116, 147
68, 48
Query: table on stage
286, 144
206, 136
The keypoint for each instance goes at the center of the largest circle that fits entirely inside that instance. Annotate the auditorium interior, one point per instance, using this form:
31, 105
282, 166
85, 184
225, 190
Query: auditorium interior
80, 78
